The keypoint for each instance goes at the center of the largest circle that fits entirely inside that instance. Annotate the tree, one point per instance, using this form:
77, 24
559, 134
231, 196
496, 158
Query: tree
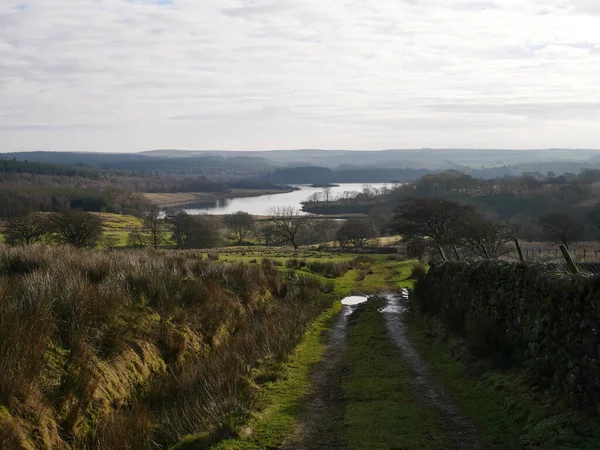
202, 232
153, 225
593, 216
563, 227
179, 223
240, 226
77, 228
486, 238
355, 232
269, 235
317, 230
26, 230
109, 242
137, 239
416, 248
192, 231
288, 223
434, 218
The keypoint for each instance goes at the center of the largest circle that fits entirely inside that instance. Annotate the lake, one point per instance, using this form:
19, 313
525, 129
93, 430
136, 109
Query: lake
259, 206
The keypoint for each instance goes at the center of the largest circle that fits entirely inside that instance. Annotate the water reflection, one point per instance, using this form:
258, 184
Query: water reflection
354, 300
259, 206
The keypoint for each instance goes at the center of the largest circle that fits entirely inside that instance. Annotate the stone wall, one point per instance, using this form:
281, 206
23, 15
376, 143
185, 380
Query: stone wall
526, 315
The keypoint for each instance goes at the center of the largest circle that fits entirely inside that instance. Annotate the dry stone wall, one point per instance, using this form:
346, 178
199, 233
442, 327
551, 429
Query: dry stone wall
524, 314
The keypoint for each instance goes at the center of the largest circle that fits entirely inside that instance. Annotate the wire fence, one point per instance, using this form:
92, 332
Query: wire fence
584, 260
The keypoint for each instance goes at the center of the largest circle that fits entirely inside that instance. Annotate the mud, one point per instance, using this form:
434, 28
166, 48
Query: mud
458, 428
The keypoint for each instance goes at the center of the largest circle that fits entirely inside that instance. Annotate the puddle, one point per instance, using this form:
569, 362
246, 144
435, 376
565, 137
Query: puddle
354, 300
396, 303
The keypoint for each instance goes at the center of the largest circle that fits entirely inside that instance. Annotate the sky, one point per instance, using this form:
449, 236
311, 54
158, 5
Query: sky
133, 75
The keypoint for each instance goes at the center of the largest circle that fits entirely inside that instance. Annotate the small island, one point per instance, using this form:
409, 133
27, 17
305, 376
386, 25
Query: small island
324, 185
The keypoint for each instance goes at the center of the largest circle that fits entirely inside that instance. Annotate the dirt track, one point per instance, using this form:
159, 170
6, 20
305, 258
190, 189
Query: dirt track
323, 423
457, 428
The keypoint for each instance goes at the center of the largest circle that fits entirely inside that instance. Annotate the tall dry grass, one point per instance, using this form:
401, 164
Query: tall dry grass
139, 348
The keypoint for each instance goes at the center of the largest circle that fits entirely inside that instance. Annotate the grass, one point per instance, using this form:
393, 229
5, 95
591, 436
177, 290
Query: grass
382, 412
117, 222
506, 409
133, 347
282, 399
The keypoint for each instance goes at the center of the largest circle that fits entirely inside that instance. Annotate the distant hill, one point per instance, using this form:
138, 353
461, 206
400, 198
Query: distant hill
92, 159
482, 163
416, 159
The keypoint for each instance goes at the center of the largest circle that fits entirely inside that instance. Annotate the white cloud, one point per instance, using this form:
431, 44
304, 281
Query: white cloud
140, 74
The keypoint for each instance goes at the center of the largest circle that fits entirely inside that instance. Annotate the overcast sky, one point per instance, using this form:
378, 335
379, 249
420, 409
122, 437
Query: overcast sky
131, 75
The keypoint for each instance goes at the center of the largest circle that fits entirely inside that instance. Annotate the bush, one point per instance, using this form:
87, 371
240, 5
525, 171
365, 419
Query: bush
328, 269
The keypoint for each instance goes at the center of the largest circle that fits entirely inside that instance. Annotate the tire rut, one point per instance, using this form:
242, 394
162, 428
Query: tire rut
458, 428
325, 403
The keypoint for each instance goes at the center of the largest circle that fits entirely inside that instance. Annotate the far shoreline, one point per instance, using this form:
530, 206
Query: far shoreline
181, 199
324, 185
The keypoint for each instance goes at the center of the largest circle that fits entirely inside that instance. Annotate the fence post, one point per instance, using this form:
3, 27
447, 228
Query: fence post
519, 251
442, 253
584, 254
456, 253
570, 264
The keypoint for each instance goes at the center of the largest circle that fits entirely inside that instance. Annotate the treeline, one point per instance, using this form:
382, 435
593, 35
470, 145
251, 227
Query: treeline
16, 167
321, 175
31, 186
524, 201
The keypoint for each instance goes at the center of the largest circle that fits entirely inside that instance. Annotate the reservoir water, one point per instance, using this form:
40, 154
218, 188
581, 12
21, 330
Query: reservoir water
259, 206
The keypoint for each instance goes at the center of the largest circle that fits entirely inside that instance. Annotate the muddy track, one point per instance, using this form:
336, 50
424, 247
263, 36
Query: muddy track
324, 408
458, 428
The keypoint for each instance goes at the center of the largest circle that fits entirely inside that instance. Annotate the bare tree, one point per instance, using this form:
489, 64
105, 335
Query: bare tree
434, 218
355, 232
240, 226
153, 225
77, 228
288, 223
327, 195
137, 239
563, 227
109, 242
26, 230
486, 238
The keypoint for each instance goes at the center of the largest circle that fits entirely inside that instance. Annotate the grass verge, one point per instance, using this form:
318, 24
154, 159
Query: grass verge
382, 411
505, 408
281, 400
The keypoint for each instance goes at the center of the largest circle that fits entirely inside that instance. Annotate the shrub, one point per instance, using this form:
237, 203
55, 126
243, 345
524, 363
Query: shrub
328, 269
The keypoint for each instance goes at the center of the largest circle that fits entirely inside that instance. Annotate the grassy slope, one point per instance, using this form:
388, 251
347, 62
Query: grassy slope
509, 412
382, 412
282, 399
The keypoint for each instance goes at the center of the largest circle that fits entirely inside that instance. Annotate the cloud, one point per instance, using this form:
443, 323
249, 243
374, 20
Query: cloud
127, 75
